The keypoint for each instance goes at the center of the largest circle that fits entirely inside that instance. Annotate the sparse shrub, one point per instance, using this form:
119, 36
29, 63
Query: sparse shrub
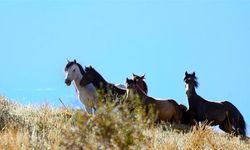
113, 126
29, 127
7, 117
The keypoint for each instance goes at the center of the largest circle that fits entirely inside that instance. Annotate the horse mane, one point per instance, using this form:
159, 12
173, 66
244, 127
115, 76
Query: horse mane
70, 63
145, 85
90, 68
196, 83
100, 82
81, 68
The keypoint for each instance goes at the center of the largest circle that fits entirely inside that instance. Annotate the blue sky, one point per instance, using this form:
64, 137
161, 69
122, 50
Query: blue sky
162, 38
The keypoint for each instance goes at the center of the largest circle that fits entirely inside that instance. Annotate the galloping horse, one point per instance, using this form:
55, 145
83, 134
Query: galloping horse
165, 110
92, 76
224, 114
87, 93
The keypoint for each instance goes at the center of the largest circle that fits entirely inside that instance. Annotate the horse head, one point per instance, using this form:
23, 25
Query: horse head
73, 71
140, 81
190, 83
137, 77
133, 87
130, 83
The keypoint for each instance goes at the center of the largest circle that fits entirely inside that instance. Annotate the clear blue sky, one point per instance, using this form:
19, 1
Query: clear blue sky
162, 38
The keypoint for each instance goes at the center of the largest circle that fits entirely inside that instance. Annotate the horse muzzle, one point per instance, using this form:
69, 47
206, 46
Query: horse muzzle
67, 82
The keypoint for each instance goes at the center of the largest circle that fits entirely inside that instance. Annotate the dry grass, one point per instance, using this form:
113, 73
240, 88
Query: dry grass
111, 128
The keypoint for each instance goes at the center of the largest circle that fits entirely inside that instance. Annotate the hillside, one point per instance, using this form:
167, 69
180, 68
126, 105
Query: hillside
43, 127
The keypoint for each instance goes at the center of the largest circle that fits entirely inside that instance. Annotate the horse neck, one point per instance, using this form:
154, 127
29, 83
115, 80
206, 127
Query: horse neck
142, 95
77, 81
143, 87
193, 98
191, 93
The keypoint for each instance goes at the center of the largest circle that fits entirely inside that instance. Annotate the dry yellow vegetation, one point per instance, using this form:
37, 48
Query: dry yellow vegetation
43, 127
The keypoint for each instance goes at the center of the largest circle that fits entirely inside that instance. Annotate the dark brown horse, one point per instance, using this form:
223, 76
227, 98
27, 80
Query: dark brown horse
92, 76
165, 110
224, 114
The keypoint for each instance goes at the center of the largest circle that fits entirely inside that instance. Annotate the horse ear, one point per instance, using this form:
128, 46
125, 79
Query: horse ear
186, 73
143, 76
193, 73
127, 80
133, 75
74, 61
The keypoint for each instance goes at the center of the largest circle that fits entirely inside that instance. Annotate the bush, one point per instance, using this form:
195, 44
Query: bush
112, 126
30, 127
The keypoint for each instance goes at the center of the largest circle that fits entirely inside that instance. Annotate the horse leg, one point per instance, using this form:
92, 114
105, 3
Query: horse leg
177, 118
88, 109
157, 120
223, 127
94, 108
238, 130
241, 125
226, 127
88, 106
231, 124
94, 104
191, 118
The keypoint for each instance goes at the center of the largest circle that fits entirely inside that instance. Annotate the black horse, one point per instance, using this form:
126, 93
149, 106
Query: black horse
106, 88
224, 114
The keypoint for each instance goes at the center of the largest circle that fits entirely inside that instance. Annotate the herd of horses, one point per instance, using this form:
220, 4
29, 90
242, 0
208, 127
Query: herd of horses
88, 81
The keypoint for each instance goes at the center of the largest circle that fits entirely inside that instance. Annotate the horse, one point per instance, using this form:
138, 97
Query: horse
87, 93
141, 82
103, 87
224, 114
165, 110
185, 115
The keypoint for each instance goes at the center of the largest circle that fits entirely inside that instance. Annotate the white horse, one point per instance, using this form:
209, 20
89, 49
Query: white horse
87, 94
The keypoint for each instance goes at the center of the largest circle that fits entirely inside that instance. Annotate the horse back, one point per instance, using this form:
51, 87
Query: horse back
116, 90
171, 105
119, 91
173, 102
230, 106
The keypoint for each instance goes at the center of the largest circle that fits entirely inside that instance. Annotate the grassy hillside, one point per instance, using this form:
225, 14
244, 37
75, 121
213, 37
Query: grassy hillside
44, 127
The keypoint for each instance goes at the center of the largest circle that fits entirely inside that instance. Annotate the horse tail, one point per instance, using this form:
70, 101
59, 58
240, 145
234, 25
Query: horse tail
236, 118
242, 125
